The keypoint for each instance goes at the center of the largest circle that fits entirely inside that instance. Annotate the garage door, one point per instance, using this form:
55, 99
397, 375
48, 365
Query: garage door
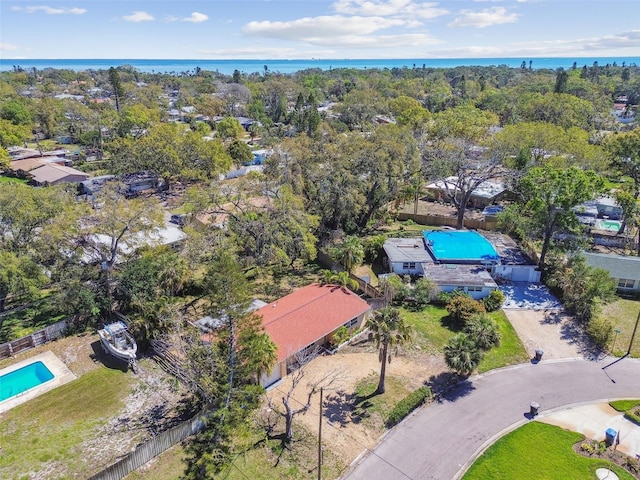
520, 274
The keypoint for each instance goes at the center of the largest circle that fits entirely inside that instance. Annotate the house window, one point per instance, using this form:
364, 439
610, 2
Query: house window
351, 323
474, 289
409, 266
626, 283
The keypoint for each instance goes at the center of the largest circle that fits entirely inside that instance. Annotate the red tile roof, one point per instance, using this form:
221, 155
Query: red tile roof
308, 314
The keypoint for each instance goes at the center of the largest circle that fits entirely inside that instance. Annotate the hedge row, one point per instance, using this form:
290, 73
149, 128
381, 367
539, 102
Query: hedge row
407, 405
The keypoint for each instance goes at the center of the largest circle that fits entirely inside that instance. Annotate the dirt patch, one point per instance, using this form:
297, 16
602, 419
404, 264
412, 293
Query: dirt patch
554, 332
343, 436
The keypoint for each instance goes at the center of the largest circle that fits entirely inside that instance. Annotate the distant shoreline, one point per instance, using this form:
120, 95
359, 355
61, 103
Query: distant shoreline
227, 67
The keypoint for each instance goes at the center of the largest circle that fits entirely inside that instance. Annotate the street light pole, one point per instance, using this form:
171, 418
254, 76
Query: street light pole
633, 335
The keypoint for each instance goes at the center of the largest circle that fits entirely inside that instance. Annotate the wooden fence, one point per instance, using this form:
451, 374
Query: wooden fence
442, 221
365, 287
35, 339
150, 449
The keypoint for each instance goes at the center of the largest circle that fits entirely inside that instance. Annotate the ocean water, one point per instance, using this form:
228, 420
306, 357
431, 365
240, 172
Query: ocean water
227, 67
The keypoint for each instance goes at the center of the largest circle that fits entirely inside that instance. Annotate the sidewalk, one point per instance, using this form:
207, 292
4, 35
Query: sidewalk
593, 420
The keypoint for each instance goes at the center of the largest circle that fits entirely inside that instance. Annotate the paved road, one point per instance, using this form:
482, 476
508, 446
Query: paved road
440, 439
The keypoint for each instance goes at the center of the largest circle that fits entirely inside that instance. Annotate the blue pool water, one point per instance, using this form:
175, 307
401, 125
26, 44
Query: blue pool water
21, 380
459, 246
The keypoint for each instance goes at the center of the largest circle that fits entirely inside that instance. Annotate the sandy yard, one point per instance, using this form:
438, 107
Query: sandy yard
552, 331
344, 437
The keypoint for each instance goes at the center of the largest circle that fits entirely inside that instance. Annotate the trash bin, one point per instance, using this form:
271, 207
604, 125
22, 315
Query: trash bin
610, 436
534, 409
538, 356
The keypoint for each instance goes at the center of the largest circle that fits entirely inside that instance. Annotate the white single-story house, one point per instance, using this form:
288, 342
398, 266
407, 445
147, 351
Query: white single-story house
472, 279
169, 235
485, 194
623, 269
307, 318
406, 256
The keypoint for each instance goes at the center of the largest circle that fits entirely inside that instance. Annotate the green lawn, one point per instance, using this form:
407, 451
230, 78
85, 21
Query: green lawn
431, 327
12, 180
434, 331
371, 409
623, 314
52, 426
511, 350
538, 451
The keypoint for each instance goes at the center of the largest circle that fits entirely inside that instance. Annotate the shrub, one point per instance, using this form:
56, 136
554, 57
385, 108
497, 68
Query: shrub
443, 298
483, 331
461, 309
423, 291
340, 336
600, 331
587, 448
407, 405
493, 301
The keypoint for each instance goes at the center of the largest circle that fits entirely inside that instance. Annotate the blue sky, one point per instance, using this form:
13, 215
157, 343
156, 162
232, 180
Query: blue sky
303, 29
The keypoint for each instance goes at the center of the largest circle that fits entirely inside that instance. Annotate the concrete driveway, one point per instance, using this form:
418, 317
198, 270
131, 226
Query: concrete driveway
531, 296
554, 332
440, 441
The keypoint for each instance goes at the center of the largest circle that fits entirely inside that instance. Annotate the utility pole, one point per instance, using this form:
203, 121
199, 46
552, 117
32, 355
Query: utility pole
320, 439
633, 335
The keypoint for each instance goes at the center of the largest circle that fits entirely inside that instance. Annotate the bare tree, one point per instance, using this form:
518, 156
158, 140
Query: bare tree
460, 168
293, 407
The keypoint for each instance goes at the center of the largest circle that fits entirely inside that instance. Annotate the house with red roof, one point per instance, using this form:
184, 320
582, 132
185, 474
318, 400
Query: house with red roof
306, 318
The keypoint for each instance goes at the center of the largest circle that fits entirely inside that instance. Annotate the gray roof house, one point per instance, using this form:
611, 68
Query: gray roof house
625, 270
472, 279
406, 256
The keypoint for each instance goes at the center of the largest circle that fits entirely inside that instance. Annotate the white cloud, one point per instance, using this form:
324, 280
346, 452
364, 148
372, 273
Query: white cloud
389, 8
51, 10
138, 16
613, 45
484, 18
196, 17
308, 28
7, 47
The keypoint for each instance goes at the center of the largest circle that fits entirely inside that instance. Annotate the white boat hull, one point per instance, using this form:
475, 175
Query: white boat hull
119, 343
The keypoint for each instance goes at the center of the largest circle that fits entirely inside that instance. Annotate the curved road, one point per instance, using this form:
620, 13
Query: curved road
439, 440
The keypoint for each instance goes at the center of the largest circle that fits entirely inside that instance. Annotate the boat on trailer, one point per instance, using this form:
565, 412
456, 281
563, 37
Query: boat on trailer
117, 341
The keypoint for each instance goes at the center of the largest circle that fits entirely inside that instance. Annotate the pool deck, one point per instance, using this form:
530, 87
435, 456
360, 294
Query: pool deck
56, 366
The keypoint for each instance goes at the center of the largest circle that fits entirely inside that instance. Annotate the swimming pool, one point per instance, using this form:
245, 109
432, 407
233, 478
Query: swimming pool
30, 378
460, 246
19, 381
608, 225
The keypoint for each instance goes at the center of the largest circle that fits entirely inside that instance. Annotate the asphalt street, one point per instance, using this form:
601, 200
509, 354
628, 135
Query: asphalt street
440, 440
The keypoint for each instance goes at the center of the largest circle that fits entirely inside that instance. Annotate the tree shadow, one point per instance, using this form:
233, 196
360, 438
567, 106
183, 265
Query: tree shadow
552, 317
450, 323
573, 333
448, 386
338, 408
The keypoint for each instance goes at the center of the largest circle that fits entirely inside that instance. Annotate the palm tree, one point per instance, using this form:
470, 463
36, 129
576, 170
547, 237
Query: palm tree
483, 331
462, 354
261, 354
351, 253
389, 331
344, 280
